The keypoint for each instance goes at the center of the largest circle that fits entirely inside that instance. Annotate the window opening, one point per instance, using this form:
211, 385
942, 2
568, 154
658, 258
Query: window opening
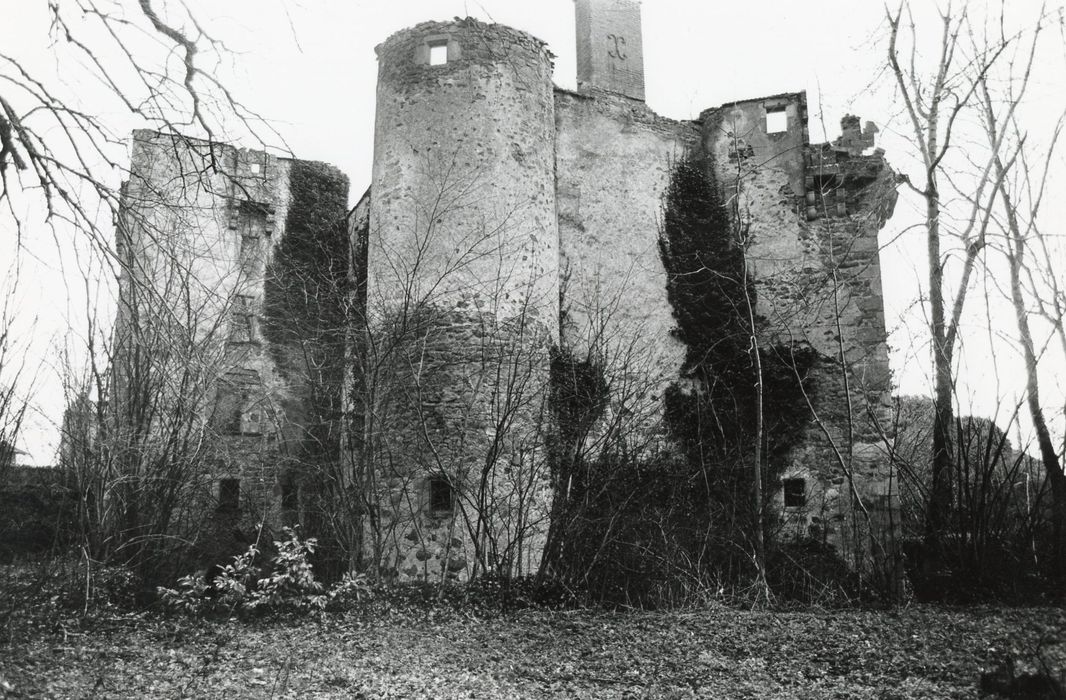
235, 411
795, 493
228, 409
776, 121
441, 495
438, 53
251, 417
249, 255
229, 495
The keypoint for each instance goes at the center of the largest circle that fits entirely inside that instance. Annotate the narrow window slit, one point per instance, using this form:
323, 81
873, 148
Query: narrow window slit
795, 493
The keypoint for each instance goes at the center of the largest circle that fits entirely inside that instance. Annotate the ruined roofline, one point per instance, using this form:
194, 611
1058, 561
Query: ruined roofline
596, 94
625, 107
800, 96
499, 30
591, 93
148, 136
364, 199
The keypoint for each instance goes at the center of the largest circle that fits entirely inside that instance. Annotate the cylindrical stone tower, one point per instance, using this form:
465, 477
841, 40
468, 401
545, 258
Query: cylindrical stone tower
464, 169
462, 296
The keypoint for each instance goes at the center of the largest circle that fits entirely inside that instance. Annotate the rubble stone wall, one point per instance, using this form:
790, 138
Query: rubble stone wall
812, 216
462, 257
213, 215
613, 163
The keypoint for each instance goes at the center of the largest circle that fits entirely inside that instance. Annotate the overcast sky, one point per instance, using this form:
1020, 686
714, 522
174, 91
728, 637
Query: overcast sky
309, 66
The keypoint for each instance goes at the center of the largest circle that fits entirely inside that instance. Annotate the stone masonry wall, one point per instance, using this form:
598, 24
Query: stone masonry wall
464, 197
613, 162
813, 252
462, 260
610, 51
217, 212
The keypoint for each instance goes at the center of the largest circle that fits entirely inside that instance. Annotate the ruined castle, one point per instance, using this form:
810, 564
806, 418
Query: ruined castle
510, 223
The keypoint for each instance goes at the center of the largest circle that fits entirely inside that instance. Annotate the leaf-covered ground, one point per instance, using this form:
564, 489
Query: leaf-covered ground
918, 652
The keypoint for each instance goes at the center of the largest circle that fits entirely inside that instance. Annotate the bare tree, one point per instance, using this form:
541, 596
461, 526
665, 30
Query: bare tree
932, 104
447, 424
155, 64
145, 426
1034, 281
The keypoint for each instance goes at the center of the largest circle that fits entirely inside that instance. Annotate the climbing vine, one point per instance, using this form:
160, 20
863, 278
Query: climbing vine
305, 325
307, 286
711, 412
657, 526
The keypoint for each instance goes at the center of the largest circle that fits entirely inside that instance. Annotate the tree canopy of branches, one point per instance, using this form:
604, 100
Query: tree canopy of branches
156, 65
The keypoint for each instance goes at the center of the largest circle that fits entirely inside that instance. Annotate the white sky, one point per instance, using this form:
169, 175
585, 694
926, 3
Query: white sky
309, 65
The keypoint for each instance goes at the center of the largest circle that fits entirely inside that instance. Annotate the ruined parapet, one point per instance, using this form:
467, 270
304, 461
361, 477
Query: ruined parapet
462, 261
839, 173
850, 194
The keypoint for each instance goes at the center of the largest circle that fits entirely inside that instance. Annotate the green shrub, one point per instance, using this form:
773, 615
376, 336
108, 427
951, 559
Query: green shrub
286, 583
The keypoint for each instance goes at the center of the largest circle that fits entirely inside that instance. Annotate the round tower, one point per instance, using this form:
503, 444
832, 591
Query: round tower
462, 298
464, 171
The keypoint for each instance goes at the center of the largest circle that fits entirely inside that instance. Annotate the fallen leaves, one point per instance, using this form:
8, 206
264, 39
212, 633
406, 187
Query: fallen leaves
920, 652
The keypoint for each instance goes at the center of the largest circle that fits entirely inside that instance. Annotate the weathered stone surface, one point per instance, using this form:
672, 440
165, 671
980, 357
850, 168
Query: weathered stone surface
610, 51
214, 214
463, 276
495, 197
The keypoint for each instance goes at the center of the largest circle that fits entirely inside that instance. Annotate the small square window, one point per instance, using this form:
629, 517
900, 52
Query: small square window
438, 53
229, 495
441, 495
795, 493
776, 121
256, 168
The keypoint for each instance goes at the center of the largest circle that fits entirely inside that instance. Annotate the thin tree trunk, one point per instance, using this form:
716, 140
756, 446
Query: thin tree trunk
1048, 454
757, 485
941, 492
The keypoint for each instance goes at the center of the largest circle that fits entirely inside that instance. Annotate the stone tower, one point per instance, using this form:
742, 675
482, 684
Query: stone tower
462, 297
610, 52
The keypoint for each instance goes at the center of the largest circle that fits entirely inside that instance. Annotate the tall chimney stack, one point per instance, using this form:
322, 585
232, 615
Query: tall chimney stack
610, 52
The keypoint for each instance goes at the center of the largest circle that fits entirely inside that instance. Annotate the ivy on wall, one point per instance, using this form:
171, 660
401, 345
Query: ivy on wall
652, 528
711, 412
306, 295
305, 324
